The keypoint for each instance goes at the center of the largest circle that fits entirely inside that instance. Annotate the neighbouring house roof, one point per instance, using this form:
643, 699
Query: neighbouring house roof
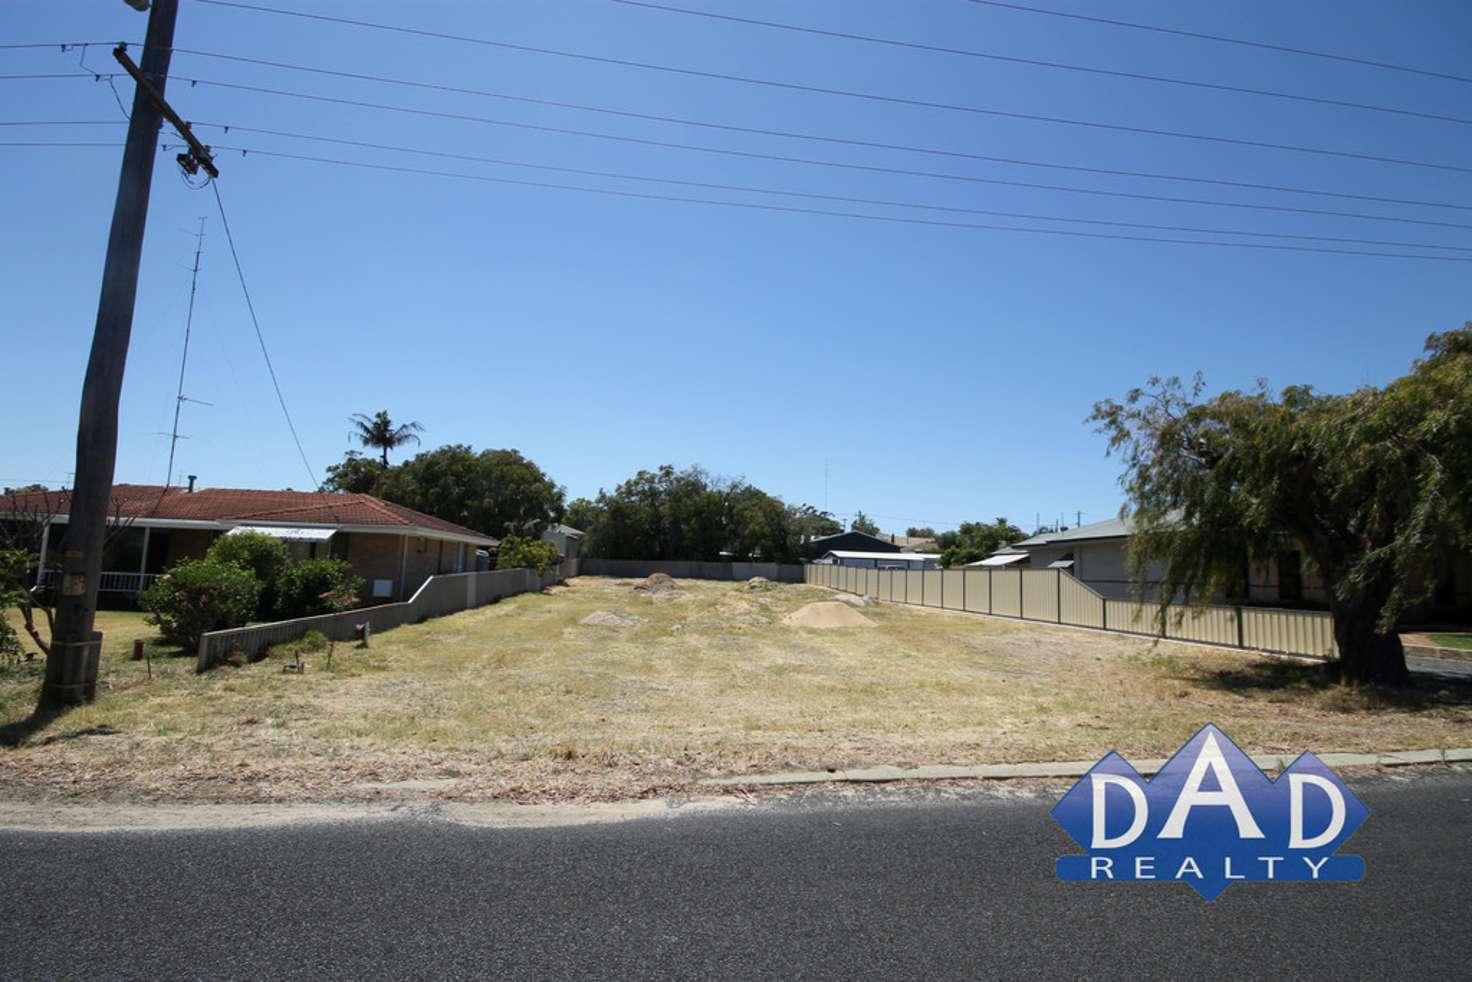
854, 534
1111, 528
244, 506
905, 557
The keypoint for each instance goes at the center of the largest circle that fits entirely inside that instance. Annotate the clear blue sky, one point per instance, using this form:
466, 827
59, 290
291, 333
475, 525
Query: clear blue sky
942, 374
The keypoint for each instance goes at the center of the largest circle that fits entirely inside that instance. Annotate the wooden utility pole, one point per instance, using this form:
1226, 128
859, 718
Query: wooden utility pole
71, 665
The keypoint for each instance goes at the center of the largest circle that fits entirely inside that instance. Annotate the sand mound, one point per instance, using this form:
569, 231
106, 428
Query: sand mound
656, 583
608, 618
827, 614
758, 583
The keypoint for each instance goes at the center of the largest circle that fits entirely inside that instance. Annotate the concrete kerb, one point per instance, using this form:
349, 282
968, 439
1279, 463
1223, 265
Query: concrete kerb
1068, 769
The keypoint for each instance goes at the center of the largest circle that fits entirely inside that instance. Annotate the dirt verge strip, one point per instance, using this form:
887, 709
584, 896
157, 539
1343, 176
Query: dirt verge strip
1070, 768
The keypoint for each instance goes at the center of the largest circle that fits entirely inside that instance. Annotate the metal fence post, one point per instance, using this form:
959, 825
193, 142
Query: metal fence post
1058, 584
1239, 627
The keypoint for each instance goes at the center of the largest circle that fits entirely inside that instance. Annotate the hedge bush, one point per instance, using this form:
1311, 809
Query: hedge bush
317, 586
200, 595
518, 552
263, 555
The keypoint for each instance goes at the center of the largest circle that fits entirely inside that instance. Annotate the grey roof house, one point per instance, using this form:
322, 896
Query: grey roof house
568, 540
1097, 554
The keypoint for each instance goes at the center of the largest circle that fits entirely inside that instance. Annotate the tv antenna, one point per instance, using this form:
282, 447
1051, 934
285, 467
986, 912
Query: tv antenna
180, 398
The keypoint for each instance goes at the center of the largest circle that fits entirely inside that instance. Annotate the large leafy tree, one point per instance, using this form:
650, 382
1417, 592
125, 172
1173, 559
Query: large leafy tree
1373, 487
661, 514
973, 541
758, 526
582, 514
355, 474
498, 492
863, 523
379, 432
809, 523
690, 515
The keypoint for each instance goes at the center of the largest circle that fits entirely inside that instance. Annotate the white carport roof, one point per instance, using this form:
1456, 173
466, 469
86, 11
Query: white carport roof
899, 557
1003, 560
289, 533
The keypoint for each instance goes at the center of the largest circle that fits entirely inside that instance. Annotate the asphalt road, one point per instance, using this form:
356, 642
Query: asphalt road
918, 886
1448, 668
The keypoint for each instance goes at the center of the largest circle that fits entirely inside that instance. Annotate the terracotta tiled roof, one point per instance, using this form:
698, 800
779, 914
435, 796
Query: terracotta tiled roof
245, 505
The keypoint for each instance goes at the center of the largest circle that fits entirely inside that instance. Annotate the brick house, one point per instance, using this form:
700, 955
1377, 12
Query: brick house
394, 549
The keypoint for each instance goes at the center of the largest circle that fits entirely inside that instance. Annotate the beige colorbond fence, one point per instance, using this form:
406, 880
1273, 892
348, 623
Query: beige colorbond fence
1052, 596
437, 596
680, 569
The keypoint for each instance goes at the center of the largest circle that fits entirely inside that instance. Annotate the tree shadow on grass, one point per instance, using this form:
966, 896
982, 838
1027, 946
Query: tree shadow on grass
20, 732
1284, 681
16, 733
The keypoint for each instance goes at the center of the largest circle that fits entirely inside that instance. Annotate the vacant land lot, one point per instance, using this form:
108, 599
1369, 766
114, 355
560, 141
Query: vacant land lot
524, 700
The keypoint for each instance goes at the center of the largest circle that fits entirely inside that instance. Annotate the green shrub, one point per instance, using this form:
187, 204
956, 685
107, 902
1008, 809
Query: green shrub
516, 552
309, 643
263, 555
199, 595
317, 586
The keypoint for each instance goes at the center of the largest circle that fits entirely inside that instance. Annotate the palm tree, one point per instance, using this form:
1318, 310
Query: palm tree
379, 431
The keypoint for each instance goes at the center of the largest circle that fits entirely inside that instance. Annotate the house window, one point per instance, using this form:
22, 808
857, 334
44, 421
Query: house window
124, 551
1290, 577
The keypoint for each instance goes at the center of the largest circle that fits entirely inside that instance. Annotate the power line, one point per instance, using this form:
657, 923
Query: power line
255, 322
795, 135
1199, 35
753, 155
848, 93
63, 45
847, 199
91, 75
62, 122
60, 143
1039, 63
117, 96
646, 196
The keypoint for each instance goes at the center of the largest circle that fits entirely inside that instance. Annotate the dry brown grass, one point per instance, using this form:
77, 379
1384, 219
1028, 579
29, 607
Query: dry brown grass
521, 700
